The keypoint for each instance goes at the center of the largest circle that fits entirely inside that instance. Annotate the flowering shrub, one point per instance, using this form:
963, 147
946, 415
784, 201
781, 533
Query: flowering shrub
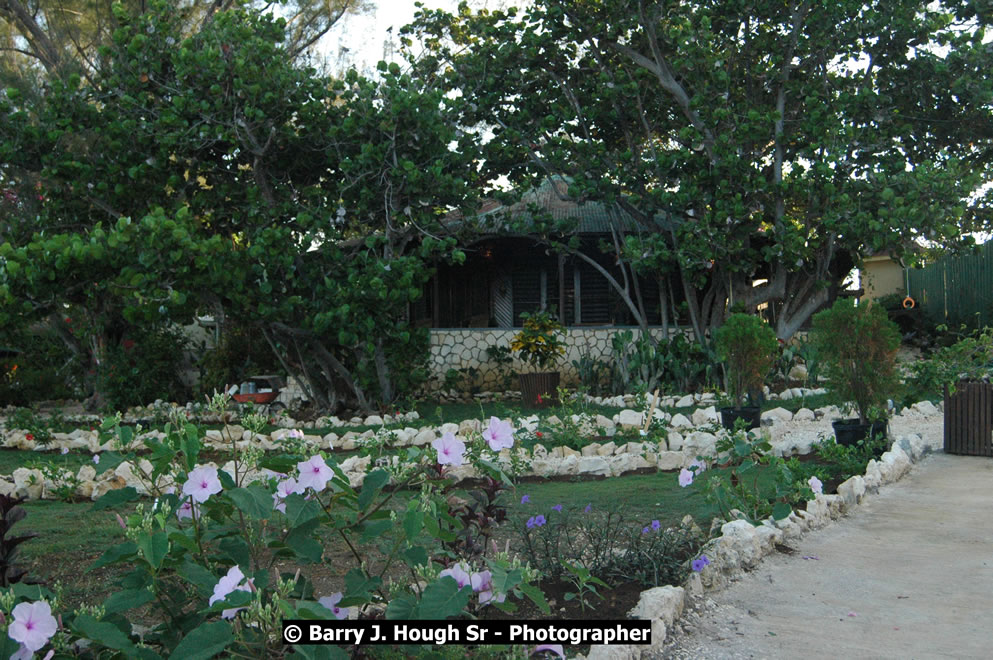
566, 542
203, 560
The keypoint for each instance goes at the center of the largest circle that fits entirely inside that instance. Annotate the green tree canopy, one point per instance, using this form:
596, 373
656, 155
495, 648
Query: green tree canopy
763, 147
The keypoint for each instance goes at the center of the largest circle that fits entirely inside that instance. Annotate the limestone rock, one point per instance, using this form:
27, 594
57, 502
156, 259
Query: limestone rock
700, 443
470, 426
852, 490
670, 460
704, 416
686, 401
739, 544
894, 464
674, 441
104, 487
626, 463
594, 465
663, 603
631, 419
606, 449
804, 415
679, 421
425, 437
29, 483
777, 415
926, 408
373, 420
591, 449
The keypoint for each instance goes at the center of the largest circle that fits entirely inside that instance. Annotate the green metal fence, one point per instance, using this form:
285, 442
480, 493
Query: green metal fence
956, 290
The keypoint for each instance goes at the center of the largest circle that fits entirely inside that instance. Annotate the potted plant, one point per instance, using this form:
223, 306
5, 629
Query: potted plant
747, 347
858, 345
540, 344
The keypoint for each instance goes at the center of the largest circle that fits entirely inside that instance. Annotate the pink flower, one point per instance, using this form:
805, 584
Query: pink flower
331, 603
499, 434
187, 509
553, 648
450, 450
284, 489
314, 473
816, 485
65, 450
33, 625
685, 477
233, 581
295, 433
482, 584
201, 483
458, 573
699, 465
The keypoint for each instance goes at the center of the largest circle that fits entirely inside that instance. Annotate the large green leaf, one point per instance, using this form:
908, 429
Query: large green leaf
443, 599
154, 547
254, 501
115, 498
128, 599
115, 554
373, 483
204, 642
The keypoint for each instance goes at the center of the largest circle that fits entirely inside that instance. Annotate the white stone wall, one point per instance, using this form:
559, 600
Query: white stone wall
465, 348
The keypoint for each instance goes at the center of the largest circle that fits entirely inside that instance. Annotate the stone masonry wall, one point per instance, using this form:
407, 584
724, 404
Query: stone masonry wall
465, 349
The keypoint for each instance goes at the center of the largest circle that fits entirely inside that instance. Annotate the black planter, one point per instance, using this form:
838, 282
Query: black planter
848, 432
540, 390
751, 414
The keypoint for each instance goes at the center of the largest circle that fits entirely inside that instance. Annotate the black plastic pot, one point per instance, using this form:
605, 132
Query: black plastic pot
539, 390
848, 432
751, 414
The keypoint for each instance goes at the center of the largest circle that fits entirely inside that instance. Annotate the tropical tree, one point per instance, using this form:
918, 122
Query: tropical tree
212, 171
763, 148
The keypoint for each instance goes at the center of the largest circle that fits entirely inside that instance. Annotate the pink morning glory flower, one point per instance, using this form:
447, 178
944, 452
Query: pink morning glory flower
450, 450
314, 473
331, 603
816, 485
551, 648
33, 625
482, 584
697, 466
233, 581
201, 483
458, 573
499, 434
284, 489
187, 509
685, 477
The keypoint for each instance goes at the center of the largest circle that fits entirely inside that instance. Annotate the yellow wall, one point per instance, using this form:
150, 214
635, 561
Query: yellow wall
881, 276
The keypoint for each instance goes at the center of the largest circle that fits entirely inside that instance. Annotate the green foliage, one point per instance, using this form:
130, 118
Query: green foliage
241, 352
970, 358
604, 544
719, 133
593, 374
858, 345
747, 346
45, 368
146, 365
540, 342
641, 365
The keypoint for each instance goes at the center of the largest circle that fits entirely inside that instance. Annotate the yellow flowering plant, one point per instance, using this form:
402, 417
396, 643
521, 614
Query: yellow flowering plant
540, 343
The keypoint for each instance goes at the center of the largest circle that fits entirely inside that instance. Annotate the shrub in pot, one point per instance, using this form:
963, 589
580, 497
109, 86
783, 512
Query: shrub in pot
747, 347
539, 344
858, 345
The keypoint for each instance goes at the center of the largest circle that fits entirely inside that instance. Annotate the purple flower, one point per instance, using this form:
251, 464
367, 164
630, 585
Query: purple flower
557, 507
458, 573
536, 521
525, 499
96, 459
685, 477
284, 489
589, 507
201, 483
698, 564
656, 525
697, 466
33, 625
295, 433
499, 435
645, 530
450, 450
65, 450
816, 485
233, 581
314, 473
553, 648
331, 603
